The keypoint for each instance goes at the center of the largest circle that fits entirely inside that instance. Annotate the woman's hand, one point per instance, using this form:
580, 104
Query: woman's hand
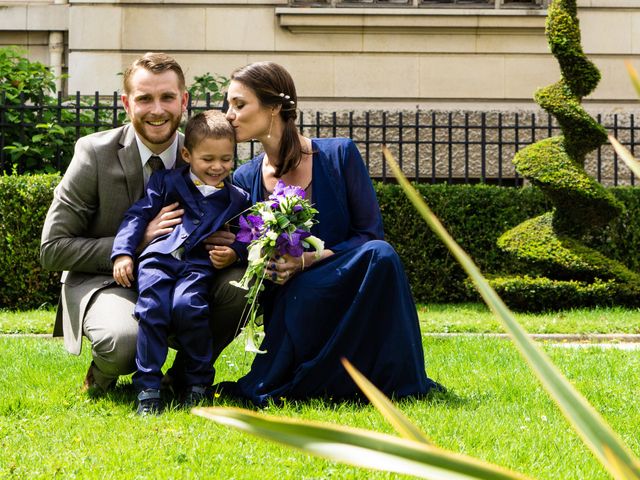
163, 223
280, 269
123, 270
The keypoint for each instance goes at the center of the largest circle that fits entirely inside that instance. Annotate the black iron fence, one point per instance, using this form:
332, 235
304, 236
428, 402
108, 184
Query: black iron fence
431, 146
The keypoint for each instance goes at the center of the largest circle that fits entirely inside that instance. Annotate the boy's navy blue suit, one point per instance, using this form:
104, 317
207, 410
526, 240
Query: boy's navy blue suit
173, 292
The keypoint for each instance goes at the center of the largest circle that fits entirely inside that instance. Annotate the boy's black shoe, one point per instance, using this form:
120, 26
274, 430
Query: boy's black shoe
149, 402
195, 395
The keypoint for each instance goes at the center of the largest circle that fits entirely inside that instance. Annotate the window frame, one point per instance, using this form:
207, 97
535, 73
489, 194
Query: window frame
436, 4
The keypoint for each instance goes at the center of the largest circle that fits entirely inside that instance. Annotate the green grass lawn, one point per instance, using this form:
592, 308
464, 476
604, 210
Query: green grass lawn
31, 321
466, 317
476, 318
495, 409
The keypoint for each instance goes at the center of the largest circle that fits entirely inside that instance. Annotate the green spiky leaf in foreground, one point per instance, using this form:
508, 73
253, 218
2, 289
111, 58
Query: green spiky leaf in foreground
595, 432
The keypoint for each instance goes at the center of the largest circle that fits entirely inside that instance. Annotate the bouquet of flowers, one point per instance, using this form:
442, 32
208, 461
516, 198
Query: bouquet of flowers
278, 226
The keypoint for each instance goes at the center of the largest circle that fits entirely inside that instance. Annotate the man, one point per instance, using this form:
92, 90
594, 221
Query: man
107, 174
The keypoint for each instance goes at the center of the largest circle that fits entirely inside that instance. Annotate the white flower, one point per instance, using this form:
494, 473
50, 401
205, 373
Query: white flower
316, 243
255, 253
267, 215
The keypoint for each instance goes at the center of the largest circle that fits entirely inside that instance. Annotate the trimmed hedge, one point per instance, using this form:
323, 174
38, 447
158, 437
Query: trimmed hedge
539, 294
24, 201
475, 215
557, 241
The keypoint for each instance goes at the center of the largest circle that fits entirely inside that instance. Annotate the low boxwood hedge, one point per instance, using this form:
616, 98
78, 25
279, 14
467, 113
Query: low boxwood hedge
475, 215
24, 200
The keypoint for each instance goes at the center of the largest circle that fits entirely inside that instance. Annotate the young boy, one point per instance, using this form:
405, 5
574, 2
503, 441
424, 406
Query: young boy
174, 270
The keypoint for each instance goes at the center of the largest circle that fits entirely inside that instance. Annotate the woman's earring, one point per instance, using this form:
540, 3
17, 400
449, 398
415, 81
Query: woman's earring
270, 126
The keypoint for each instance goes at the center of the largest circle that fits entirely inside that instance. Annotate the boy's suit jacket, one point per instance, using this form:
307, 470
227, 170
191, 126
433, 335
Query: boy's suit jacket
201, 218
103, 180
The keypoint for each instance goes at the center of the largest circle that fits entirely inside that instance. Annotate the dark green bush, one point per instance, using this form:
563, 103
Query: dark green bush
557, 242
475, 215
540, 294
24, 201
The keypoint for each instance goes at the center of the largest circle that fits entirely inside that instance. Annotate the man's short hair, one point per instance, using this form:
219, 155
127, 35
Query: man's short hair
207, 124
156, 63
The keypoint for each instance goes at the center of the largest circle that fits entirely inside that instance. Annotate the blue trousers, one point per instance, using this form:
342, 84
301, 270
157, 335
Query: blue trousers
173, 297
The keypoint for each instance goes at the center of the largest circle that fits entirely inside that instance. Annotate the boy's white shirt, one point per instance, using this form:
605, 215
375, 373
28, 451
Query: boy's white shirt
205, 189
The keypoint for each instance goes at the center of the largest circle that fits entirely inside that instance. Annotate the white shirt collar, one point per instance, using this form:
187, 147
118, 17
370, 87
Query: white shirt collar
204, 189
168, 156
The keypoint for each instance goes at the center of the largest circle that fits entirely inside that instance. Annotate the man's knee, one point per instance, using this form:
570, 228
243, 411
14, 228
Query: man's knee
114, 350
226, 306
112, 329
222, 292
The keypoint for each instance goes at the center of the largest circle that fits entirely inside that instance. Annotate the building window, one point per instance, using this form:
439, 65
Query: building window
496, 4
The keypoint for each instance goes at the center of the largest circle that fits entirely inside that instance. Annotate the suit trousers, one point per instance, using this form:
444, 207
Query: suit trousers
111, 327
173, 297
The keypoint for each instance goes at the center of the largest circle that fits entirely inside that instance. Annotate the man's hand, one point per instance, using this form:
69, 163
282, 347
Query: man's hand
123, 270
221, 238
218, 246
163, 223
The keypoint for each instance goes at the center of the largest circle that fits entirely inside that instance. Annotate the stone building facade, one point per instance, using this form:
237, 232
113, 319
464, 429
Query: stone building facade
412, 56
482, 54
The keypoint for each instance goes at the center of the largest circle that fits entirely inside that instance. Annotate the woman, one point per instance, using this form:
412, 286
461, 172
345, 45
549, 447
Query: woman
353, 301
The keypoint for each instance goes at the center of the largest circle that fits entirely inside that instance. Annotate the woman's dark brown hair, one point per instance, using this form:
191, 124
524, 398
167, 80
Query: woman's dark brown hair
273, 86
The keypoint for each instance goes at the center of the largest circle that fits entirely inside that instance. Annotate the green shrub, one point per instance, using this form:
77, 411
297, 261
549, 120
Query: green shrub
475, 215
561, 257
538, 294
557, 242
39, 132
24, 201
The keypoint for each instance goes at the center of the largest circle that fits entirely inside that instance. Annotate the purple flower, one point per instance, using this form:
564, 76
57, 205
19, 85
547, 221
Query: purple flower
250, 228
282, 190
291, 243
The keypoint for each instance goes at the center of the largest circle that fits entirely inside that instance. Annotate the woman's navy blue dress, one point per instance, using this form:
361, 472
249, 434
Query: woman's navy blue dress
355, 304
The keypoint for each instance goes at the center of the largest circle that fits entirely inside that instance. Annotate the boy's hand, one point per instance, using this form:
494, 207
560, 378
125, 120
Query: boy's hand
222, 257
123, 270
163, 223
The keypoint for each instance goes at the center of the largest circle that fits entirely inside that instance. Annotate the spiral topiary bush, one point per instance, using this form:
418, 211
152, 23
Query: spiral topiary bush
553, 243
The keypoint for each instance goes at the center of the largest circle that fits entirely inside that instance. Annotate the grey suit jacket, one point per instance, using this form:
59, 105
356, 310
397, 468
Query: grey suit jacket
103, 180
